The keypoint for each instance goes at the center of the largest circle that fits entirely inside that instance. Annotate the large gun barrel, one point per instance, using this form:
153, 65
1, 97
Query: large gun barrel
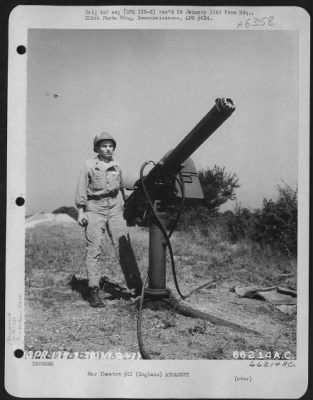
171, 163
222, 109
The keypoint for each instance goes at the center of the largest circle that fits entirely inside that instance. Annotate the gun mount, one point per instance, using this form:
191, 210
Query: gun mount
175, 167
150, 203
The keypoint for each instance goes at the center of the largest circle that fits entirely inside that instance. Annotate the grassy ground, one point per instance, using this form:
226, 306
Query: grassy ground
58, 318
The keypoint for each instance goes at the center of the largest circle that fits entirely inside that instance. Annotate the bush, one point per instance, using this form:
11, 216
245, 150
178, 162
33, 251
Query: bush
71, 211
218, 187
274, 225
240, 223
276, 222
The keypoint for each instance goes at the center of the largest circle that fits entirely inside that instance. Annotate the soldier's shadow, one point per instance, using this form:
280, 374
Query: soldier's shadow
112, 290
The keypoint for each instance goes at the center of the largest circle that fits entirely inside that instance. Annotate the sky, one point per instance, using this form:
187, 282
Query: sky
148, 89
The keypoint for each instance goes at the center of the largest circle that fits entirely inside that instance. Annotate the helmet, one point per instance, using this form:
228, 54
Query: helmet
103, 136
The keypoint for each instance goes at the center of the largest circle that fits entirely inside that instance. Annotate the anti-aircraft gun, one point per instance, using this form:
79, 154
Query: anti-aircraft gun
173, 176
150, 204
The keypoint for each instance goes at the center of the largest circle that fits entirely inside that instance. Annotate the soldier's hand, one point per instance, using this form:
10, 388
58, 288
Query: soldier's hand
82, 219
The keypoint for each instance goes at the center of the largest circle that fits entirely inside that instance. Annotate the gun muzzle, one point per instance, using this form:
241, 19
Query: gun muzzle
222, 109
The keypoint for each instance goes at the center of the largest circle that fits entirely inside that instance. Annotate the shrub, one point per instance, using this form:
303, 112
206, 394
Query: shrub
273, 226
71, 211
276, 222
218, 186
240, 223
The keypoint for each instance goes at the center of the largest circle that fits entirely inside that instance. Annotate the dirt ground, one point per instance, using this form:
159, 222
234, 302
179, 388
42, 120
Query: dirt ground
58, 318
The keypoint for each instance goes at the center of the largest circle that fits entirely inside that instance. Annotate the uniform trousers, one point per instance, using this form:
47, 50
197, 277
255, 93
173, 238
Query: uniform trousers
106, 215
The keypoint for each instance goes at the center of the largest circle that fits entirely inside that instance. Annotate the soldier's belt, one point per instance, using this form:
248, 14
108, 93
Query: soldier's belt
112, 194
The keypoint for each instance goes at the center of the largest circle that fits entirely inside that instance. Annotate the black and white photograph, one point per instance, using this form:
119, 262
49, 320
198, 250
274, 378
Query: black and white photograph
166, 185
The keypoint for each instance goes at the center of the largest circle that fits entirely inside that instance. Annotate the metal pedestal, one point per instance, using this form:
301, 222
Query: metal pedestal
157, 260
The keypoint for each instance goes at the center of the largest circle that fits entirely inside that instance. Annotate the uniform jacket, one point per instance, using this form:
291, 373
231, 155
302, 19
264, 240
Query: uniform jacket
97, 178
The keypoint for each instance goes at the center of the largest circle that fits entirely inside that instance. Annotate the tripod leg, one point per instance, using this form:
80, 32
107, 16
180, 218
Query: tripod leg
188, 311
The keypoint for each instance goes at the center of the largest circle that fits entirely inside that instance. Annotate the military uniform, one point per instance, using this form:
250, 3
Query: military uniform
98, 193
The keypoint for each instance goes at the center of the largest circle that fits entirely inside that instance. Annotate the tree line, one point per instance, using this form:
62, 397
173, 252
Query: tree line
273, 224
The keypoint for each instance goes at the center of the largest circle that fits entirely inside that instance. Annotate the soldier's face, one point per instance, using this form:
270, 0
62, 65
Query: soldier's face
105, 149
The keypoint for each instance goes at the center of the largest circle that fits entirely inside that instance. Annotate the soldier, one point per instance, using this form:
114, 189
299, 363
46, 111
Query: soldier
100, 208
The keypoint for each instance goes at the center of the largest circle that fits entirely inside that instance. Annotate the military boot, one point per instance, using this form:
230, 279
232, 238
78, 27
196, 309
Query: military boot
94, 299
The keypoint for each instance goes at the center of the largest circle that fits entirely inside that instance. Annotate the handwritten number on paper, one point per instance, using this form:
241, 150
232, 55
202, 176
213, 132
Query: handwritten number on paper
252, 22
